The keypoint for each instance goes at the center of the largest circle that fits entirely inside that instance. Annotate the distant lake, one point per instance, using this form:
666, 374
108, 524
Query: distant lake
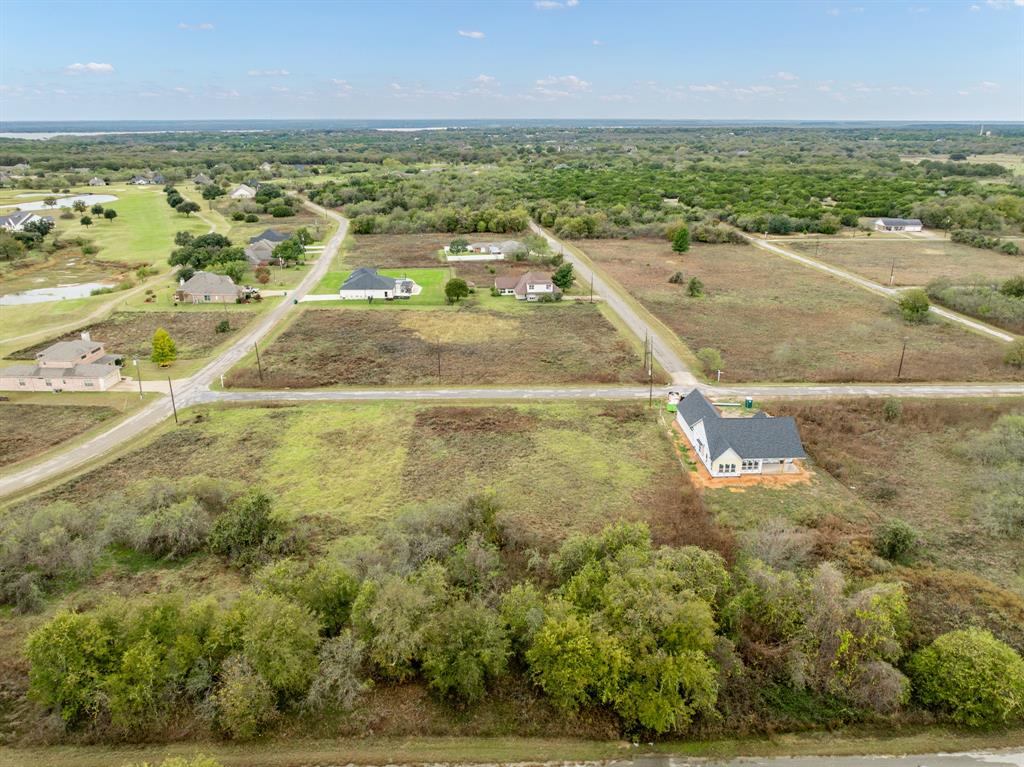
45, 295
64, 202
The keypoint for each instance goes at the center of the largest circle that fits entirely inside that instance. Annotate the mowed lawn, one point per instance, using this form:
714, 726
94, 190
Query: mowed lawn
774, 320
431, 280
911, 262
536, 344
554, 468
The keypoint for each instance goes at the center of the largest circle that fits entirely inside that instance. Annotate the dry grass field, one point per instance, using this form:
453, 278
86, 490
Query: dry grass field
28, 429
774, 320
911, 262
131, 333
529, 345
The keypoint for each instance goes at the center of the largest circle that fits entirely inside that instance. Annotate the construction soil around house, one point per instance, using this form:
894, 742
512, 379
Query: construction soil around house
774, 320
702, 478
539, 345
394, 251
131, 333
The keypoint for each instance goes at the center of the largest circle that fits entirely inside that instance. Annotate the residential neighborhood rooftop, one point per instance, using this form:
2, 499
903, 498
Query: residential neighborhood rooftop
759, 437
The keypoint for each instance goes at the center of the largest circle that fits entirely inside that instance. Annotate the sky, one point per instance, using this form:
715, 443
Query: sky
859, 60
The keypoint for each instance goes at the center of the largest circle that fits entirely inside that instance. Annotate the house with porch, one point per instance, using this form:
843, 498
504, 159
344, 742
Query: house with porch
208, 288
531, 286
366, 284
733, 447
898, 225
81, 365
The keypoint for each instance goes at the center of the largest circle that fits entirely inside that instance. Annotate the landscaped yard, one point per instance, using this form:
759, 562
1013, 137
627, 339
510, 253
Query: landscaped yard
774, 320
911, 262
518, 344
431, 280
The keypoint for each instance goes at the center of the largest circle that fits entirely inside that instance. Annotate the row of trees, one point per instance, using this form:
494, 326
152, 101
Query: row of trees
663, 637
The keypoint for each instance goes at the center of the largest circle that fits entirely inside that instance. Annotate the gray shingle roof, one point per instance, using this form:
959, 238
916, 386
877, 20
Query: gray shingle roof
366, 278
760, 437
206, 283
900, 221
68, 350
271, 235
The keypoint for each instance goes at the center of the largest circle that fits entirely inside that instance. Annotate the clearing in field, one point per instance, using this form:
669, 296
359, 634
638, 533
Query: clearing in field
774, 320
910, 262
26, 430
528, 345
407, 250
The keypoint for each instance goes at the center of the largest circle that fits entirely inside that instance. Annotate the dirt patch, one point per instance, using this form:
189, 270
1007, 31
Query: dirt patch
28, 430
131, 333
558, 344
455, 420
774, 320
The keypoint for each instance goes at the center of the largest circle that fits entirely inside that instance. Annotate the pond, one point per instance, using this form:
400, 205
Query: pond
65, 202
59, 293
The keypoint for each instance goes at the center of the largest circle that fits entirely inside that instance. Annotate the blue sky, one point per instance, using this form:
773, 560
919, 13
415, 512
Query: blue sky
956, 60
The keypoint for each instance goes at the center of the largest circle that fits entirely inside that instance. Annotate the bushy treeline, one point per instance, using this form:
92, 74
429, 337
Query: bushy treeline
977, 239
665, 638
1001, 304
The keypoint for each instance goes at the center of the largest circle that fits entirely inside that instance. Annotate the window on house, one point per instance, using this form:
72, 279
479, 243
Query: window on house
89, 383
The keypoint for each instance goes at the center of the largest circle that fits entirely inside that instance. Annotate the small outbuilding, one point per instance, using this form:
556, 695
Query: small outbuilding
898, 225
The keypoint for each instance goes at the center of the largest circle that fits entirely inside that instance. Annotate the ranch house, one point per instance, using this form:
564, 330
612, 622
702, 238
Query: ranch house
732, 447
81, 365
366, 284
898, 225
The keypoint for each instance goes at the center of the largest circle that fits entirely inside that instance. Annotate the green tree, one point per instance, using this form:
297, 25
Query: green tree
458, 245
212, 192
235, 270
970, 676
289, 252
914, 305
563, 277
79, 206
1013, 287
279, 639
681, 240
85, 221
10, 248
1015, 354
695, 288
455, 290
244, 702
110, 214
262, 274
711, 359
165, 351
246, 531
464, 647
96, 210
187, 207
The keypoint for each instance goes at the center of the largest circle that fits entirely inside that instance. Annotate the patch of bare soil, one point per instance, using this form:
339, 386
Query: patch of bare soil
28, 430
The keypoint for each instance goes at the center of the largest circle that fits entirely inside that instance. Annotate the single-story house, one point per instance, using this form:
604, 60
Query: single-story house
157, 179
17, 221
202, 179
153, 178
266, 166
732, 447
208, 288
97, 181
487, 251
898, 225
81, 365
365, 283
242, 192
270, 235
527, 287
260, 252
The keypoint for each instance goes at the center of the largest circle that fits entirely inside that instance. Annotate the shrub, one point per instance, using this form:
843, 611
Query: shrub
327, 588
281, 211
1015, 354
711, 359
244, 702
464, 648
223, 326
173, 530
455, 290
681, 240
970, 676
246, 533
695, 288
239, 215
677, 278
897, 540
340, 677
522, 613
914, 305
892, 410
250, 218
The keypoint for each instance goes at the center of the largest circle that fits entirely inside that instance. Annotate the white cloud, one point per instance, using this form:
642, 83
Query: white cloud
472, 34
485, 80
341, 87
987, 86
280, 89
554, 5
788, 76
203, 27
975, 8
706, 88
598, 43
567, 82
832, 11
617, 97
179, 89
268, 73
1000, 5
92, 68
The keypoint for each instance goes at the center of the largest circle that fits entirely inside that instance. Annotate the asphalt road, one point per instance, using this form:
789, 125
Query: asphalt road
188, 391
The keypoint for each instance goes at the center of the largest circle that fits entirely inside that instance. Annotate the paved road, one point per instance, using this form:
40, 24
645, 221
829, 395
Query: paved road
890, 293
641, 328
190, 391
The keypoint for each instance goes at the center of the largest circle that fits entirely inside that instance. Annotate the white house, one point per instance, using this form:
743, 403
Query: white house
81, 365
898, 225
530, 286
97, 181
17, 221
242, 192
732, 447
365, 284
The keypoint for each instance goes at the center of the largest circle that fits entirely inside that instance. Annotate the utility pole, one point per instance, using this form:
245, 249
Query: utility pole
174, 407
259, 365
892, 271
591, 287
138, 375
439, 361
903, 353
